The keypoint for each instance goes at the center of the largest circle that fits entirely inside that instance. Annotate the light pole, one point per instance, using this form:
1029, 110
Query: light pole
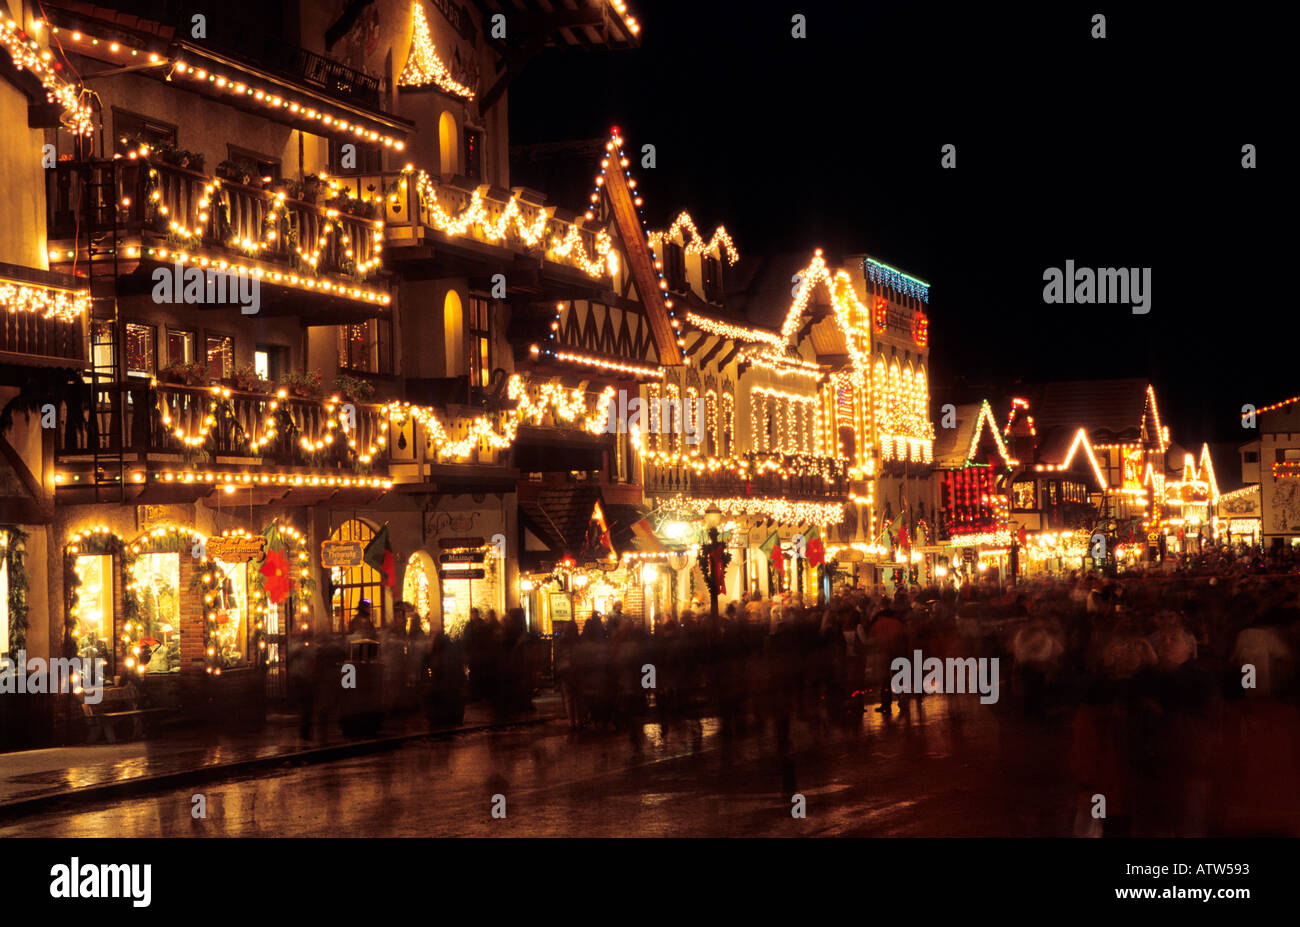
713, 558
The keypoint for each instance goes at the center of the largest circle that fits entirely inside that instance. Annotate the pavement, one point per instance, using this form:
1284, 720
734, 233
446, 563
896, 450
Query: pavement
33, 781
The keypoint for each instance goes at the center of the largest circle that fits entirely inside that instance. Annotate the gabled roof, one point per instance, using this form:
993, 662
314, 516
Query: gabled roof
955, 447
1110, 409
1225, 458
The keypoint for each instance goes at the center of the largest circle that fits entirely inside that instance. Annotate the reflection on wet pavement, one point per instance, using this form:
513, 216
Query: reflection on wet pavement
975, 771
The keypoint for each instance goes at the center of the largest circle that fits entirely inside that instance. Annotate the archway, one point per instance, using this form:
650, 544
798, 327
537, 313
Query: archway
420, 591
353, 585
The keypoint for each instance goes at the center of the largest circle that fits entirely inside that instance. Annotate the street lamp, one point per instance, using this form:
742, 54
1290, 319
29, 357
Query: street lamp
713, 515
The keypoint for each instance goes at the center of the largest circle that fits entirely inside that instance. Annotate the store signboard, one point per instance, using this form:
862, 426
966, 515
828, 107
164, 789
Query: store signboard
238, 548
446, 543
340, 554
469, 556
561, 607
462, 574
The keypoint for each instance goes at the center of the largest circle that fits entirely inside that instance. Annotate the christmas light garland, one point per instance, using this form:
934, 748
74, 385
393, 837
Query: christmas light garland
423, 66
28, 55
720, 241
48, 302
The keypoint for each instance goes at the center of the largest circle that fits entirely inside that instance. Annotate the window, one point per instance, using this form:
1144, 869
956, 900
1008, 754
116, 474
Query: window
1251, 457
234, 631
353, 585
366, 347
473, 154
674, 266
180, 346
480, 342
262, 166
712, 271
1023, 494
1292, 454
157, 579
453, 332
270, 361
130, 129
95, 634
141, 350
220, 354
448, 144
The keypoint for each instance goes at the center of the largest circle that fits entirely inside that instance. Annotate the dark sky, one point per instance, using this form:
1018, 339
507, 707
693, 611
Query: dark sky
1122, 152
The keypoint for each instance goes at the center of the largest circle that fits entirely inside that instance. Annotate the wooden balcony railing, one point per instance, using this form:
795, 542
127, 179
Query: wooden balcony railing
405, 207
803, 479
236, 215
32, 334
145, 418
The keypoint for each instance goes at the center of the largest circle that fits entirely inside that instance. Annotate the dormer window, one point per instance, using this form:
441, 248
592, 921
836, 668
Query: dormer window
712, 270
675, 267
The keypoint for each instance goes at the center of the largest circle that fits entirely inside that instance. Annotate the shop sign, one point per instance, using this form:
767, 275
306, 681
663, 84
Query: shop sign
147, 516
463, 574
969, 554
739, 539
239, 548
340, 554
468, 556
561, 607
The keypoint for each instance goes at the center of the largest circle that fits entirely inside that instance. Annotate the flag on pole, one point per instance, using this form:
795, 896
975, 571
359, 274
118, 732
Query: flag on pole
770, 544
379, 555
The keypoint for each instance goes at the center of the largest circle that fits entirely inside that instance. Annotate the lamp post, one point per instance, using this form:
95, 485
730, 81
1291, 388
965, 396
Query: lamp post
714, 558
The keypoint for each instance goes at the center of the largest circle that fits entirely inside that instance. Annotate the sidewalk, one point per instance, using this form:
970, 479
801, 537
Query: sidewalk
32, 780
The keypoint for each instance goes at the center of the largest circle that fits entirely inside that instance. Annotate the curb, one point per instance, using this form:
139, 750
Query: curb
22, 807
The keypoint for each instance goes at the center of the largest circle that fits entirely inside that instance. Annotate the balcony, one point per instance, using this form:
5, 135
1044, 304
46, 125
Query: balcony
158, 210
168, 433
42, 318
175, 435
449, 226
770, 476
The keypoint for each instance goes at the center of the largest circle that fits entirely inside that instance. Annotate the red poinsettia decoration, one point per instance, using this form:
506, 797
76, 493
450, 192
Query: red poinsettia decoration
276, 572
816, 552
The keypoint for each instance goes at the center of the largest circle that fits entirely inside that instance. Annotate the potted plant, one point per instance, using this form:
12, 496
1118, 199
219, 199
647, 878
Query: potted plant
184, 374
236, 170
305, 384
311, 189
353, 388
247, 378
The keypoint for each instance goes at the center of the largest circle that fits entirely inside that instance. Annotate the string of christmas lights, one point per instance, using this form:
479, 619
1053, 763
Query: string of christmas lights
28, 55
48, 302
696, 244
423, 66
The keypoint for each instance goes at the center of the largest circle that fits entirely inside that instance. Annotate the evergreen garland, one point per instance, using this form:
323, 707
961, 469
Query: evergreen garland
16, 566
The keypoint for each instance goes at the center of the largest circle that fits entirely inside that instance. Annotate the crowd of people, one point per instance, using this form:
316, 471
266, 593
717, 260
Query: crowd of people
1179, 692
1176, 692
400, 668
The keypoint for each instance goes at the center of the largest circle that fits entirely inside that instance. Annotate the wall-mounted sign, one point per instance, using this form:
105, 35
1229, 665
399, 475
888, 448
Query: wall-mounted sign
561, 607
469, 556
340, 554
239, 548
462, 574
146, 516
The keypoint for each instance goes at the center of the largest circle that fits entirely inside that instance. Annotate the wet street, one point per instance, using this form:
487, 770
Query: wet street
979, 770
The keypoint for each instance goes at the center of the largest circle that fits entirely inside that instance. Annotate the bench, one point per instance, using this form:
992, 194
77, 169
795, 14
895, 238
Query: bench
119, 706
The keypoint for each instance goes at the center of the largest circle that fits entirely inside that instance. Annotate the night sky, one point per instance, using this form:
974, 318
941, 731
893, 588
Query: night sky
1122, 152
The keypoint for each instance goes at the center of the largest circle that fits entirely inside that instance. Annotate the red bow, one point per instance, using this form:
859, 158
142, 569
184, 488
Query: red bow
276, 571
